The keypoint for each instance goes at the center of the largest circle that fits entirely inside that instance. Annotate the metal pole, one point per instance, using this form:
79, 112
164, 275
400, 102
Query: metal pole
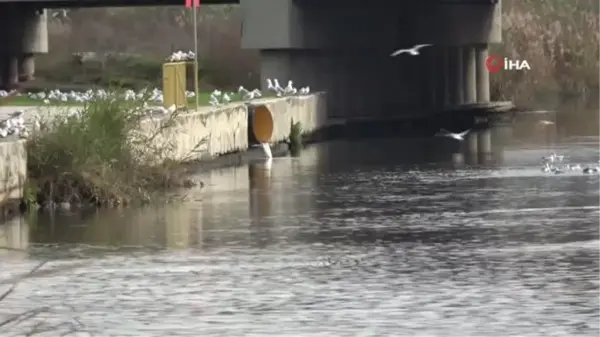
195, 7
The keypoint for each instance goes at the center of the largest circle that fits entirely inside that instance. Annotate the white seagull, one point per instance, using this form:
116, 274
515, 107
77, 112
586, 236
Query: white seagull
458, 136
553, 158
414, 51
545, 122
546, 168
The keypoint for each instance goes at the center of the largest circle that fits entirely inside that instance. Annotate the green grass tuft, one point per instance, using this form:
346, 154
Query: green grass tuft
101, 157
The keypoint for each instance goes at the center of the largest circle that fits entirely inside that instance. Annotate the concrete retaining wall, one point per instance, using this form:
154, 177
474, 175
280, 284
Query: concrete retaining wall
213, 132
203, 134
12, 170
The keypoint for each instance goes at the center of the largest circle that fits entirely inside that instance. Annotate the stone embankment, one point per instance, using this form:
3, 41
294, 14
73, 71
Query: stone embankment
202, 134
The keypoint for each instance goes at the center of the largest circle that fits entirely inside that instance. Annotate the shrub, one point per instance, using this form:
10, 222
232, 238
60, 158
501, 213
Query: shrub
101, 155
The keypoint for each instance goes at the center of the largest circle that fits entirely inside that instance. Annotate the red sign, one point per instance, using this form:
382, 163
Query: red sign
188, 3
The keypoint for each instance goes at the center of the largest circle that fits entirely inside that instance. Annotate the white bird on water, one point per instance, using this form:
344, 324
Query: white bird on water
458, 136
545, 122
553, 158
414, 51
547, 168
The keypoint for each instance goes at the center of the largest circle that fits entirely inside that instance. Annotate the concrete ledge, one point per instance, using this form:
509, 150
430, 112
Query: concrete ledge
195, 136
209, 133
13, 171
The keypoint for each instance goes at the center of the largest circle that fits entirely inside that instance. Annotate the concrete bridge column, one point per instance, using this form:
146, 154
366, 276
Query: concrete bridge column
9, 72
455, 76
26, 35
470, 95
432, 98
469, 75
442, 89
483, 75
26, 67
35, 41
484, 141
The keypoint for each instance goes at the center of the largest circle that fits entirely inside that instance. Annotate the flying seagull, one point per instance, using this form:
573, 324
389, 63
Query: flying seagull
545, 122
412, 51
458, 136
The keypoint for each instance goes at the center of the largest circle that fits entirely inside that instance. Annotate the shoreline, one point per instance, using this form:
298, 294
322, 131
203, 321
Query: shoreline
228, 130
209, 138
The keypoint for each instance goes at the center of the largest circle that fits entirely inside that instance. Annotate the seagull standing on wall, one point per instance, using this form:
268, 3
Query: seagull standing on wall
414, 51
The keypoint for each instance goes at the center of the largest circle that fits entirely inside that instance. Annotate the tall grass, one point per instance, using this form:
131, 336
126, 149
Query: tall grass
560, 41
101, 155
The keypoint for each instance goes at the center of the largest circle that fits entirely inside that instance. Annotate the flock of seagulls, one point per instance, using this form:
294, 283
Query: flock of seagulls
554, 164
289, 90
57, 96
14, 125
218, 97
181, 56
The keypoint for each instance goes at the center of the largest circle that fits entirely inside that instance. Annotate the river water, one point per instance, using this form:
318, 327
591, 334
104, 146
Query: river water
350, 239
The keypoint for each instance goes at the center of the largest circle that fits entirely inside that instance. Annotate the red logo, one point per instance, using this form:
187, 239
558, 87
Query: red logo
188, 3
494, 63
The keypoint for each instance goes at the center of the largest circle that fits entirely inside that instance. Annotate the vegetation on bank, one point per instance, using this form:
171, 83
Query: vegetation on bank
560, 41
295, 138
101, 156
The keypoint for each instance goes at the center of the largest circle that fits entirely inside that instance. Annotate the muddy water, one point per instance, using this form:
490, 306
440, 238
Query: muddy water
350, 239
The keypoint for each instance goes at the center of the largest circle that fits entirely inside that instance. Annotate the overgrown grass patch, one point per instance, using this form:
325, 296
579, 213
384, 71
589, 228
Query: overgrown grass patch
101, 155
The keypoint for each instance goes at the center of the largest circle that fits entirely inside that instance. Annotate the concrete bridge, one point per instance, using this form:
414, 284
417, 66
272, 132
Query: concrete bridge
339, 46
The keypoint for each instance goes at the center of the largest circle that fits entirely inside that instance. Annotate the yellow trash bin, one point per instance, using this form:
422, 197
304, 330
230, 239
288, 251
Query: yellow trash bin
174, 84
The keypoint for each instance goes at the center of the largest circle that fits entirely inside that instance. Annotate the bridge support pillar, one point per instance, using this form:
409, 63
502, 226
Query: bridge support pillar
483, 75
483, 95
26, 35
26, 66
433, 98
443, 87
484, 142
469, 74
455, 76
9, 71
472, 142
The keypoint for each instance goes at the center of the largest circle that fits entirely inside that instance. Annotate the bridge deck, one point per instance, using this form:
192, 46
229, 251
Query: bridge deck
109, 3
